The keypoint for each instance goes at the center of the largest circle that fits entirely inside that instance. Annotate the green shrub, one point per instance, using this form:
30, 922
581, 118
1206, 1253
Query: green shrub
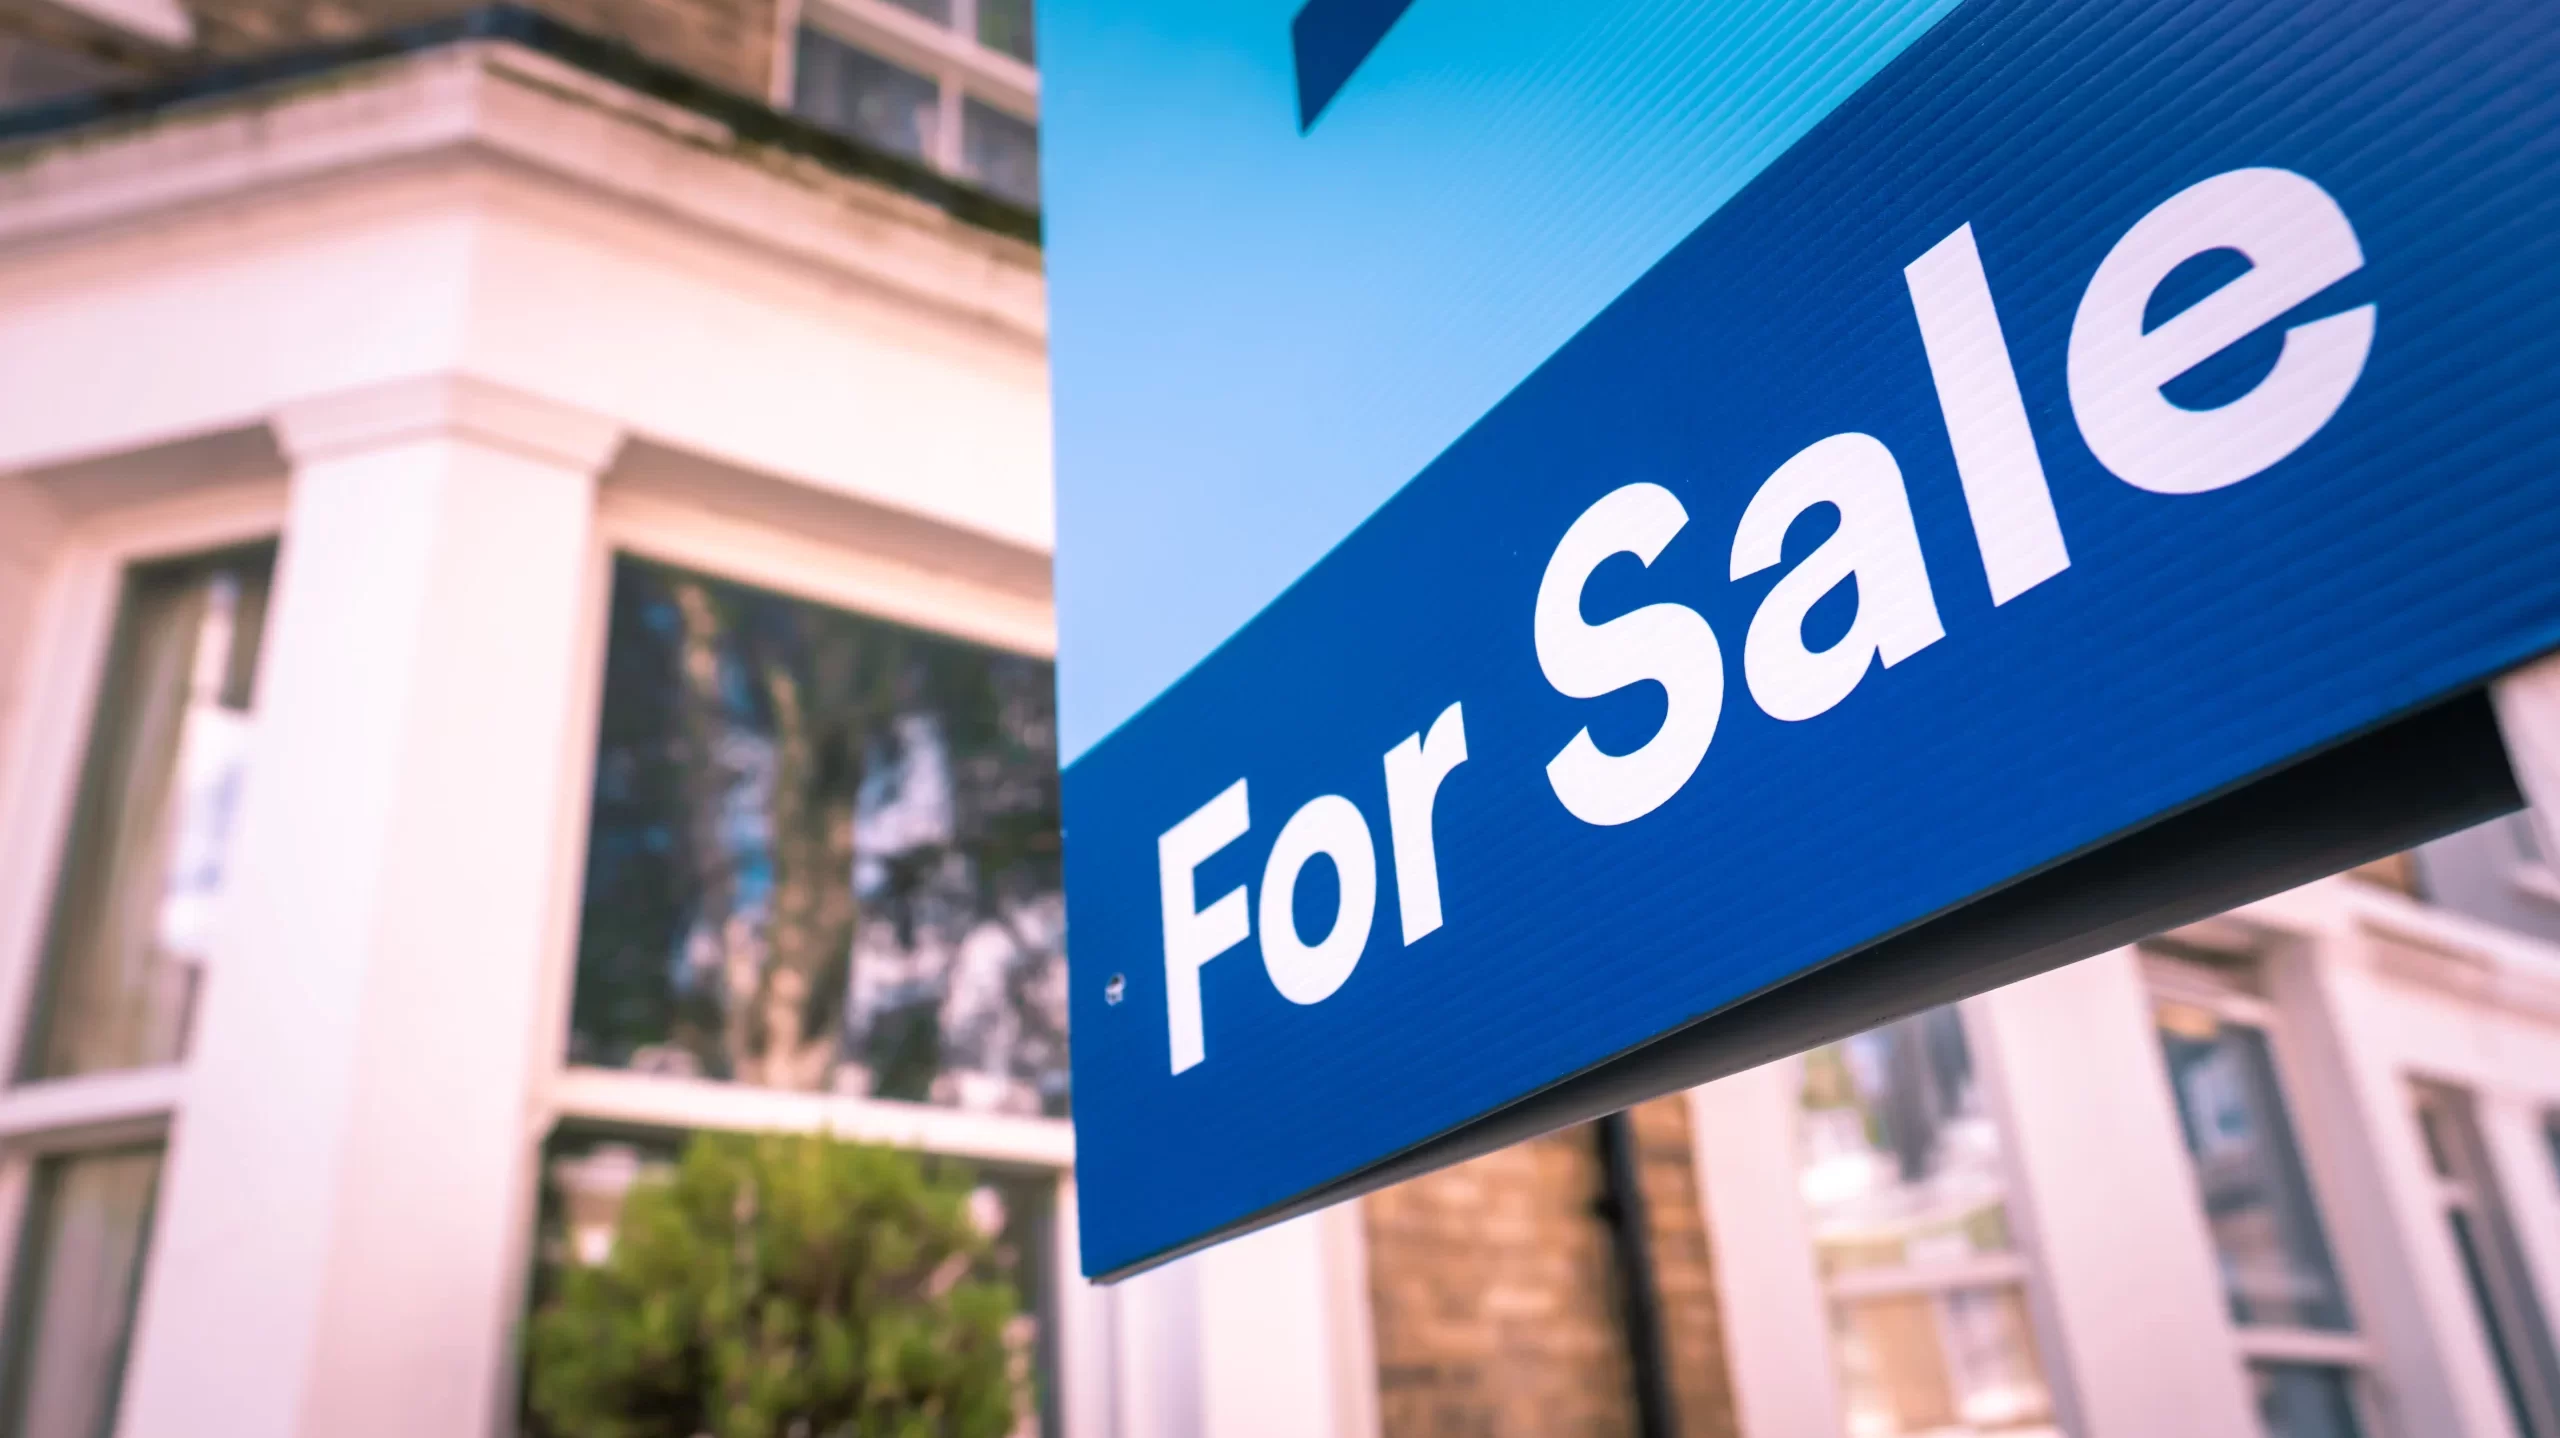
781, 1286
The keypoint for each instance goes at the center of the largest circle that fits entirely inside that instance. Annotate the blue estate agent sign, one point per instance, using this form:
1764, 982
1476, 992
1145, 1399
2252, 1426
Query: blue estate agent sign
1575, 515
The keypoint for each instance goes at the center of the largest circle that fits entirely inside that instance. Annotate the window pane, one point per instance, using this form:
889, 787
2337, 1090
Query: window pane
143, 870
856, 93
587, 1174
1901, 1163
2298, 1400
1901, 1172
2276, 1269
823, 854
1002, 152
32, 72
1954, 1362
1006, 25
88, 1220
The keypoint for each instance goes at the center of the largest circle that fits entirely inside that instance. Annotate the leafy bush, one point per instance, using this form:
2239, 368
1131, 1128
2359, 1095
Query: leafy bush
782, 1286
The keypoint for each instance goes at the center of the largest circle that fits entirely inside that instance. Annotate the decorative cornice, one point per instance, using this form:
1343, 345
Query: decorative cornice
401, 411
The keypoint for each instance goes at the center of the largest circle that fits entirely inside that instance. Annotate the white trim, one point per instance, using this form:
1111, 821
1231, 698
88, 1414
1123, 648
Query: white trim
1980, 1270
73, 1113
658, 1101
839, 576
2303, 1345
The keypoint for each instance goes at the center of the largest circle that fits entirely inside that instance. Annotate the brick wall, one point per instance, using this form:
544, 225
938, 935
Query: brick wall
1495, 1299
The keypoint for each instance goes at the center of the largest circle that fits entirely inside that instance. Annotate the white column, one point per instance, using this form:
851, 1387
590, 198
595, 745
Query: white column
1264, 1336
2112, 1204
2528, 705
1777, 1331
342, 1221
1284, 1339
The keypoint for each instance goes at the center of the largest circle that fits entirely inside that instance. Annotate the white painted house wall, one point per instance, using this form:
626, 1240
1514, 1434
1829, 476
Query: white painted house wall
458, 327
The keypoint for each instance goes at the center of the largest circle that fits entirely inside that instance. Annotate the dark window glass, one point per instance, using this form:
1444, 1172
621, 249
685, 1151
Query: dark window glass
823, 854
143, 870
1901, 1171
2276, 1268
79, 1269
2301, 1400
1003, 152
1006, 25
33, 72
856, 93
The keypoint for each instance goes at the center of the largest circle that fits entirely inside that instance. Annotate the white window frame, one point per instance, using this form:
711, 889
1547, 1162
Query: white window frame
964, 69
2014, 1267
665, 528
62, 668
2170, 979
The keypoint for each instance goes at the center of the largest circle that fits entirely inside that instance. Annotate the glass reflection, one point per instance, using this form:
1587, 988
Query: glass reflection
1901, 1163
1006, 25
143, 871
856, 93
2276, 1268
823, 854
1002, 151
1905, 1189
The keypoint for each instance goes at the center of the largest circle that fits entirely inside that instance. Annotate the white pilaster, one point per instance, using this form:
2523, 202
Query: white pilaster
2528, 705
1777, 1330
343, 1213
1264, 1336
2112, 1203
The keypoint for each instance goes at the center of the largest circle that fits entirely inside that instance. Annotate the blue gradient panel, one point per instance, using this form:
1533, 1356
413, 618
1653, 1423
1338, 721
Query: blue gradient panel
2402, 552
1329, 39
1257, 336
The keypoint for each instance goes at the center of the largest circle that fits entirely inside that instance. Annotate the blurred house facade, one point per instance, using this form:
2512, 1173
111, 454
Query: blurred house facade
524, 633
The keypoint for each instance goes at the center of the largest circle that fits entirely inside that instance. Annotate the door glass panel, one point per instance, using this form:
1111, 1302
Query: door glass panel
2267, 1237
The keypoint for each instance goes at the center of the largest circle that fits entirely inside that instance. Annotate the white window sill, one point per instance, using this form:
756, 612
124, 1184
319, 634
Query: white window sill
36, 1115
652, 1100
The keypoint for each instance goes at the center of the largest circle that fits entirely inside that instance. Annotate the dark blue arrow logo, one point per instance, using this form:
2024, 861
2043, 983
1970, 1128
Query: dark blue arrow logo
1330, 39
